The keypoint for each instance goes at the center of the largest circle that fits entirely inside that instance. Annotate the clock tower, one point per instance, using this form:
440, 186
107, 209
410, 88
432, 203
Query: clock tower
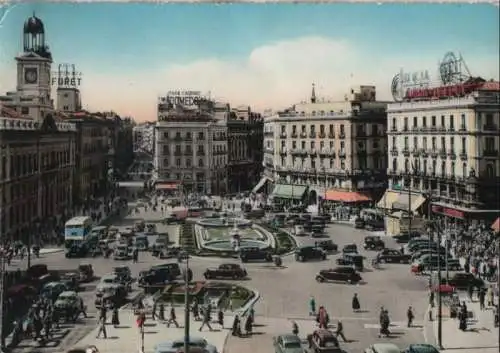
33, 71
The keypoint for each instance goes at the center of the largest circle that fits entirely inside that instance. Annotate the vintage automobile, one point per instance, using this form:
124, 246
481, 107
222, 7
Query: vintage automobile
139, 226
356, 261
52, 290
323, 341
114, 294
171, 252
306, 253
339, 274
86, 272
373, 243
194, 342
69, 305
121, 252
288, 343
462, 280
71, 280
359, 223
124, 274
421, 348
112, 280
173, 218
226, 271
159, 274
350, 249
327, 245
255, 253
393, 256
383, 348
37, 271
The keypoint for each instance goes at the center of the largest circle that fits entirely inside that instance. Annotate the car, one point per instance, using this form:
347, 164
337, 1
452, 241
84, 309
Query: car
172, 218
420, 246
77, 251
383, 348
350, 249
86, 272
255, 253
393, 256
421, 348
121, 253
226, 271
288, 343
359, 223
159, 274
71, 280
351, 259
323, 341
306, 253
405, 237
373, 243
109, 295
111, 280
327, 245
52, 290
178, 344
69, 304
339, 274
416, 255
464, 280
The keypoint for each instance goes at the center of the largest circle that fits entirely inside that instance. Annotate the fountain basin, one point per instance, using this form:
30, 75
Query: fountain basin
226, 245
224, 222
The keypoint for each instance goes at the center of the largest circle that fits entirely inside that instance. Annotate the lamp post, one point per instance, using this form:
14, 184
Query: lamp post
186, 307
2, 276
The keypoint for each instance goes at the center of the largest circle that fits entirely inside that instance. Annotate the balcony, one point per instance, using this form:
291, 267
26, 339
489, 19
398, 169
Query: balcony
394, 152
490, 127
405, 128
188, 153
295, 134
295, 151
441, 128
283, 135
442, 153
332, 153
283, 150
303, 134
462, 128
451, 153
490, 153
415, 151
331, 135
322, 135
394, 129
463, 155
342, 154
433, 128
406, 151
324, 152
451, 129
189, 138
178, 138
342, 135
200, 153
423, 129
177, 153
423, 152
312, 135
312, 151
266, 133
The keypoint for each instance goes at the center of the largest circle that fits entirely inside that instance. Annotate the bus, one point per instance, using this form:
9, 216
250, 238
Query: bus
77, 230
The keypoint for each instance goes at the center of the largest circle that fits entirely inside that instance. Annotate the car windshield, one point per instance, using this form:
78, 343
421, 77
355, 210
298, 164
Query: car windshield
109, 279
66, 296
293, 345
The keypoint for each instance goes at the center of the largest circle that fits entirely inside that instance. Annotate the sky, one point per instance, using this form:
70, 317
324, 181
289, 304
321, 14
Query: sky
263, 55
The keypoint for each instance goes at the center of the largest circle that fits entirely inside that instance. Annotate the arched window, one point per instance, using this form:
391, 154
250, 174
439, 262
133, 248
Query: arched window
200, 162
464, 170
394, 164
490, 172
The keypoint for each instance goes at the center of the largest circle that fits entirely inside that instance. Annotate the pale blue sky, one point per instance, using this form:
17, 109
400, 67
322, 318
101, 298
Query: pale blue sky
212, 46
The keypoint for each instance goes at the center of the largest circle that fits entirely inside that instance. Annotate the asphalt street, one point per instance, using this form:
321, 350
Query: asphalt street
285, 292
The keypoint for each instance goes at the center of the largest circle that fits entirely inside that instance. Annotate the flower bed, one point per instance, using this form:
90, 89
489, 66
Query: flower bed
285, 243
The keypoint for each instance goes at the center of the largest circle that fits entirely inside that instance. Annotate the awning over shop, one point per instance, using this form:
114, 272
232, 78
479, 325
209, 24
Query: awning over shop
260, 184
131, 184
416, 202
388, 199
289, 191
167, 186
346, 196
496, 225
403, 201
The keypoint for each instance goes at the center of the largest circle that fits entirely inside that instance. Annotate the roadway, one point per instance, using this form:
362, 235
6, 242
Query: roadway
285, 292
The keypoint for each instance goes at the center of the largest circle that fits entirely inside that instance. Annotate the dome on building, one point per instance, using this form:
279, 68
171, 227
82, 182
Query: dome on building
33, 25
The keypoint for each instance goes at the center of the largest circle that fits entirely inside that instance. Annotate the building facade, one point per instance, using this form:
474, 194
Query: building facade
245, 149
191, 151
444, 149
335, 149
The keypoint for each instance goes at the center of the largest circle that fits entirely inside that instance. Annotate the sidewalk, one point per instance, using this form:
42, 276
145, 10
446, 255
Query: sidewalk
127, 339
481, 335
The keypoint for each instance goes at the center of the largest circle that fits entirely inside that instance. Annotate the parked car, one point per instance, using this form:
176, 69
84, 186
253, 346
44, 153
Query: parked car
351, 259
405, 237
71, 280
255, 253
339, 274
306, 253
159, 274
226, 271
69, 305
393, 256
383, 348
463, 280
323, 341
327, 245
288, 343
86, 272
421, 348
359, 223
350, 248
373, 243
177, 345
52, 290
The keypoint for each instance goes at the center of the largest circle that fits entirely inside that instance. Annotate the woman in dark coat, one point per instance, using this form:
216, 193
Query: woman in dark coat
248, 325
355, 303
115, 321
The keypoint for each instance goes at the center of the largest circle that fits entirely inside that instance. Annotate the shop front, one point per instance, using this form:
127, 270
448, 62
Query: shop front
464, 215
286, 194
260, 187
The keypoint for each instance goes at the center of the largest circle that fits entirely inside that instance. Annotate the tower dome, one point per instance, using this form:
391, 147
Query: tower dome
34, 25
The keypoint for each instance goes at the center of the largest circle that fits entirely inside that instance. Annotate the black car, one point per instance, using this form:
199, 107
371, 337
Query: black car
351, 259
306, 253
77, 251
159, 274
359, 223
339, 274
350, 249
327, 245
226, 271
405, 237
373, 243
464, 280
255, 253
393, 256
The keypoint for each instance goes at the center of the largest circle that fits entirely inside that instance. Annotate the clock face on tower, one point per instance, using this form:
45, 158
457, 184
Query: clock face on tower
30, 75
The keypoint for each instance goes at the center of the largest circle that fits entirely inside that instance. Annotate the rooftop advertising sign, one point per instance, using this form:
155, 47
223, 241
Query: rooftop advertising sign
66, 76
185, 98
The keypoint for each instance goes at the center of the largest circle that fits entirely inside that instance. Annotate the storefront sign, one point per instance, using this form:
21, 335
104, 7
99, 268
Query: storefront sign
443, 91
186, 98
406, 80
448, 211
66, 76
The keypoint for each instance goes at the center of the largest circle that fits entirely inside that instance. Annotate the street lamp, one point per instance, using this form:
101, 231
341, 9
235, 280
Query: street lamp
186, 306
2, 277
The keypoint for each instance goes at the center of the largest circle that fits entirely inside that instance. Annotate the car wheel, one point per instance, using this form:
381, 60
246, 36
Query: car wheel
349, 281
207, 276
320, 279
301, 258
382, 261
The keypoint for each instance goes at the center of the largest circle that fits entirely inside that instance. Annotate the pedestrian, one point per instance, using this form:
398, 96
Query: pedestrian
489, 294
102, 327
482, 298
295, 328
115, 320
470, 292
340, 331
312, 306
220, 318
196, 311
248, 325
161, 313
153, 313
410, 316
355, 303
206, 319
172, 318
236, 328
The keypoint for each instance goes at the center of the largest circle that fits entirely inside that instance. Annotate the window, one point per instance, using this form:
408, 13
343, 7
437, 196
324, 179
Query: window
434, 166
342, 164
394, 123
406, 142
178, 162
452, 122
322, 129
294, 129
489, 119
188, 162
25, 110
433, 143
490, 143
312, 144
405, 125
463, 144
177, 148
166, 149
201, 136
433, 121
303, 128
313, 163
342, 129
331, 145
462, 122
375, 144
424, 169
188, 135
407, 165
165, 135
283, 129
443, 142
443, 168
394, 164
322, 145
342, 145
452, 168
452, 143
394, 142
303, 145
464, 170
330, 129
415, 142
313, 129
283, 144
424, 121
424, 143
443, 124
294, 144
489, 171
415, 121
177, 135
